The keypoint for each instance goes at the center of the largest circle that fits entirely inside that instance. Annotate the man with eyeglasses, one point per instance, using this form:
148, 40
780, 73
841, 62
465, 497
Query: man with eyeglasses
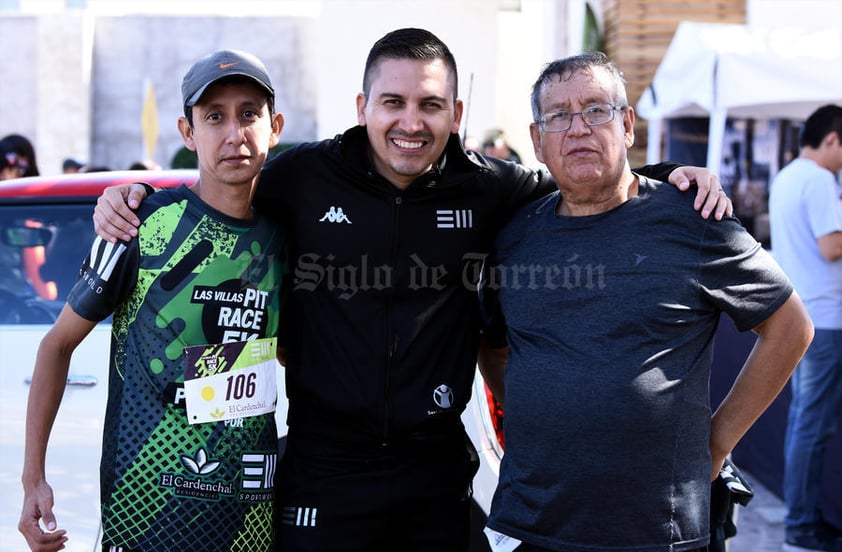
608, 297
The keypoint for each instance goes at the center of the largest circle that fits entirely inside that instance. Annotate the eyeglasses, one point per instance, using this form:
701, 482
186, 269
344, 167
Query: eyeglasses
594, 115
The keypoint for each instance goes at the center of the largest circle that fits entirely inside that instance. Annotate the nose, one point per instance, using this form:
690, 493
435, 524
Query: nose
410, 120
235, 131
578, 125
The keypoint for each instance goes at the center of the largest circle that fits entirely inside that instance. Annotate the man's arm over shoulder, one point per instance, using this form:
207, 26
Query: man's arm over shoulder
659, 171
782, 340
710, 198
114, 216
517, 183
527, 184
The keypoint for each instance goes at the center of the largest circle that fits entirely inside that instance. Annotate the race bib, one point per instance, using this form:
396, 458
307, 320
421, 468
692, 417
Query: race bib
230, 380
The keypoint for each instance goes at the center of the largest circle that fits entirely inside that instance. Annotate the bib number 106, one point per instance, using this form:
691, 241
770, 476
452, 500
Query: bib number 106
240, 386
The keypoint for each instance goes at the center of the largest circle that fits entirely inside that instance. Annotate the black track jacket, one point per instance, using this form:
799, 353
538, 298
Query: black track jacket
382, 324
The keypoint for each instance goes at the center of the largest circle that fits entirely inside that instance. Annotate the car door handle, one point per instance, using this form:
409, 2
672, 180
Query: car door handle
72, 380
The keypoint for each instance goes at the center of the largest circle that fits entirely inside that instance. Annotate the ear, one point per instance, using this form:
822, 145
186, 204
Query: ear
361, 101
186, 132
458, 108
833, 138
535, 133
628, 126
277, 127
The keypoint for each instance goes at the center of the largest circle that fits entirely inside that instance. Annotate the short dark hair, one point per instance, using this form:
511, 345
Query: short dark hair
409, 43
822, 122
573, 65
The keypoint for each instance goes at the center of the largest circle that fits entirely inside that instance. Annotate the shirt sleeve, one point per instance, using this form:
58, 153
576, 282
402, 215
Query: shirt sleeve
824, 206
739, 277
661, 171
107, 277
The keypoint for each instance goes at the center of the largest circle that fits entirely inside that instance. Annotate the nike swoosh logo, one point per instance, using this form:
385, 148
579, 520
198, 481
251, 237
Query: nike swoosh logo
227, 65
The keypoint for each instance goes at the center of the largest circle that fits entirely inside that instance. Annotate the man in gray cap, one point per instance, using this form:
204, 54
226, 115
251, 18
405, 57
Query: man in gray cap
182, 468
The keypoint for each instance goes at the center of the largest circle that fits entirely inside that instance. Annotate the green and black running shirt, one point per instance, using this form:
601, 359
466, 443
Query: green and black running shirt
193, 276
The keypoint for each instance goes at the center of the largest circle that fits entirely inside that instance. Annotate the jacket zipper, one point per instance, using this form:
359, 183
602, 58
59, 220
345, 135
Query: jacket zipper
392, 339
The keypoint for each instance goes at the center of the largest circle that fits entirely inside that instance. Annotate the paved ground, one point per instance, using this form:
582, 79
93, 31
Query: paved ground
760, 525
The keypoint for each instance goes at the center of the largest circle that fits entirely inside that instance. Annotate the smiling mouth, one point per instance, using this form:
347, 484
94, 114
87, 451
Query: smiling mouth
408, 145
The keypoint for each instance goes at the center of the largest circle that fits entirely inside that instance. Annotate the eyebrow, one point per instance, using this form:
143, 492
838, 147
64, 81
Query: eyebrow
565, 106
256, 105
393, 95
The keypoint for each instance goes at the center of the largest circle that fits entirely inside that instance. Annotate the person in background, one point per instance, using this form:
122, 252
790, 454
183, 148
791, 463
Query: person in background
146, 165
95, 168
609, 294
376, 457
495, 145
25, 150
71, 166
190, 442
472, 143
11, 164
805, 210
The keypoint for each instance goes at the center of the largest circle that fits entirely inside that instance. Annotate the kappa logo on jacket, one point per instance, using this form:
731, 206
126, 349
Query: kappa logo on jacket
335, 214
454, 218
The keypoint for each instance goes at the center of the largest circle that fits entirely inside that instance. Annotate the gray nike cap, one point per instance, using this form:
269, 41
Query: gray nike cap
220, 65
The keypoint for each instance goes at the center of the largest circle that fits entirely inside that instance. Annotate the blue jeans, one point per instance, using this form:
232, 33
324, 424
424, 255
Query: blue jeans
816, 401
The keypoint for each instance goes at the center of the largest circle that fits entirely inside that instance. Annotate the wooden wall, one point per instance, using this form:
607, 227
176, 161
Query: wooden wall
638, 33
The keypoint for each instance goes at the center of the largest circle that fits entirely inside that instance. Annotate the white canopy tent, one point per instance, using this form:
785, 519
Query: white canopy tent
722, 70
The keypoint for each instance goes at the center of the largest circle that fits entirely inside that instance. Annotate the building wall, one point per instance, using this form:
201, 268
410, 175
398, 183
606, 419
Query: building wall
45, 83
78, 83
75, 80
131, 51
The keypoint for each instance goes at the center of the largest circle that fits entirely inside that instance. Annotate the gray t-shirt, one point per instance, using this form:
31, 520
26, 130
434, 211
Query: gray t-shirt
804, 204
610, 323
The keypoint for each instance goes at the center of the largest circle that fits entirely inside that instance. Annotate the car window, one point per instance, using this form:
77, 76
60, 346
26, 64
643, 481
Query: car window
42, 248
